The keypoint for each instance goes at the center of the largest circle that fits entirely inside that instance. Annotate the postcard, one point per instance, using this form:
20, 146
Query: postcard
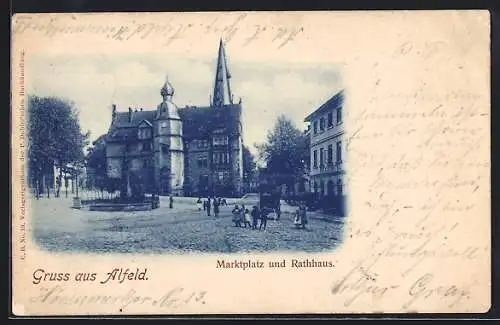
251, 163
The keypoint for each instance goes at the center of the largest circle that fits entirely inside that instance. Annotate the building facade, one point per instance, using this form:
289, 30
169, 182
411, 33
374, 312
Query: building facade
327, 150
195, 150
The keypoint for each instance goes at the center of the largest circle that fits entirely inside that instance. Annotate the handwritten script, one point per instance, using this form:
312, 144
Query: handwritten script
419, 164
165, 32
171, 298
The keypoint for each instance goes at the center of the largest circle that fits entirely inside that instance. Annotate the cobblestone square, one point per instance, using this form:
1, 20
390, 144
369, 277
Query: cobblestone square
58, 227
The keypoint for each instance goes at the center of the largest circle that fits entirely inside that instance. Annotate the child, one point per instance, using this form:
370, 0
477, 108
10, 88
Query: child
236, 216
248, 218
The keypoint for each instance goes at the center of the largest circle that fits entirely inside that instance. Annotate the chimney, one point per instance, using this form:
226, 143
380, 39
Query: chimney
141, 109
113, 114
130, 115
135, 109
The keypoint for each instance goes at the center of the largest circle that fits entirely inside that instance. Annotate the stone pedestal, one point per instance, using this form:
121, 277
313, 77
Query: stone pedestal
77, 203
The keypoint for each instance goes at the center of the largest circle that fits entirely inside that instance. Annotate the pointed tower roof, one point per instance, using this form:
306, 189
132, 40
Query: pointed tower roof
222, 87
167, 89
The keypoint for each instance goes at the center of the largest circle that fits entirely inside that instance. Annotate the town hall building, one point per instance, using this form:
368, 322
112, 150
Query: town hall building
194, 150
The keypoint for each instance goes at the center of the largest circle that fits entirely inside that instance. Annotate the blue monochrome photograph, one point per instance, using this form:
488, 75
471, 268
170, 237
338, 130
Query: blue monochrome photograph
158, 154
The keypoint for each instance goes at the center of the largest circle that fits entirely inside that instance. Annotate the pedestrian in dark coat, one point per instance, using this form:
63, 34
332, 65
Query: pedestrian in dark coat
255, 216
303, 215
263, 219
216, 208
171, 199
209, 206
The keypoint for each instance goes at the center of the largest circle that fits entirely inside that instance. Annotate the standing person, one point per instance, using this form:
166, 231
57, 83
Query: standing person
296, 219
216, 208
255, 216
278, 211
198, 203
208, 206
303, 215
236, 216
248, 218
242, 216
171, 199
263, 219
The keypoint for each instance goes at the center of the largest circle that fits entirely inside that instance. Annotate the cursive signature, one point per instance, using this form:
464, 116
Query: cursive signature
360, 281
424, 288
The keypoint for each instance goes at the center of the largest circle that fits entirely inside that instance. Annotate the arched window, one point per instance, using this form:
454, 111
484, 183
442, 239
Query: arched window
339, 187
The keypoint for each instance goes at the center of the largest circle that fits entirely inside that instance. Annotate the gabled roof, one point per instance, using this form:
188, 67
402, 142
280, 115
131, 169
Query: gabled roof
145, 122
121, 118
334, 102
122, 129
198, 122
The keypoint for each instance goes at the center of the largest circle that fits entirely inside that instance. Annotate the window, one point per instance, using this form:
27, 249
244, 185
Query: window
202, 143
330, 154
221, 158
315, 127
221, 176
164, 148
202, 162
330, 119
164, 124
339, 186
339, 114
147, 146
315, 158
144, 133
321, 157
339, 151
220, 140
322, 124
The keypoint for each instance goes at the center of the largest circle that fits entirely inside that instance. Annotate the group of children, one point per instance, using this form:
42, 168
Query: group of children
242, 217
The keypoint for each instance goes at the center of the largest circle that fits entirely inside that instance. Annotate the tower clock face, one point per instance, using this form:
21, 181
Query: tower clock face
163, 124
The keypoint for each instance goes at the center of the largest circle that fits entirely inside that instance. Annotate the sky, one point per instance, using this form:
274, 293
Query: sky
267, 89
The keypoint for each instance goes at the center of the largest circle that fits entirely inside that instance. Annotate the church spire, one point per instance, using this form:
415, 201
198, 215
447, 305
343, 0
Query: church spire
222, 87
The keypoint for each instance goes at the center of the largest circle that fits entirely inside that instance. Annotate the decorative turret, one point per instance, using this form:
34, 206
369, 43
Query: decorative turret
167, 109
168, 145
